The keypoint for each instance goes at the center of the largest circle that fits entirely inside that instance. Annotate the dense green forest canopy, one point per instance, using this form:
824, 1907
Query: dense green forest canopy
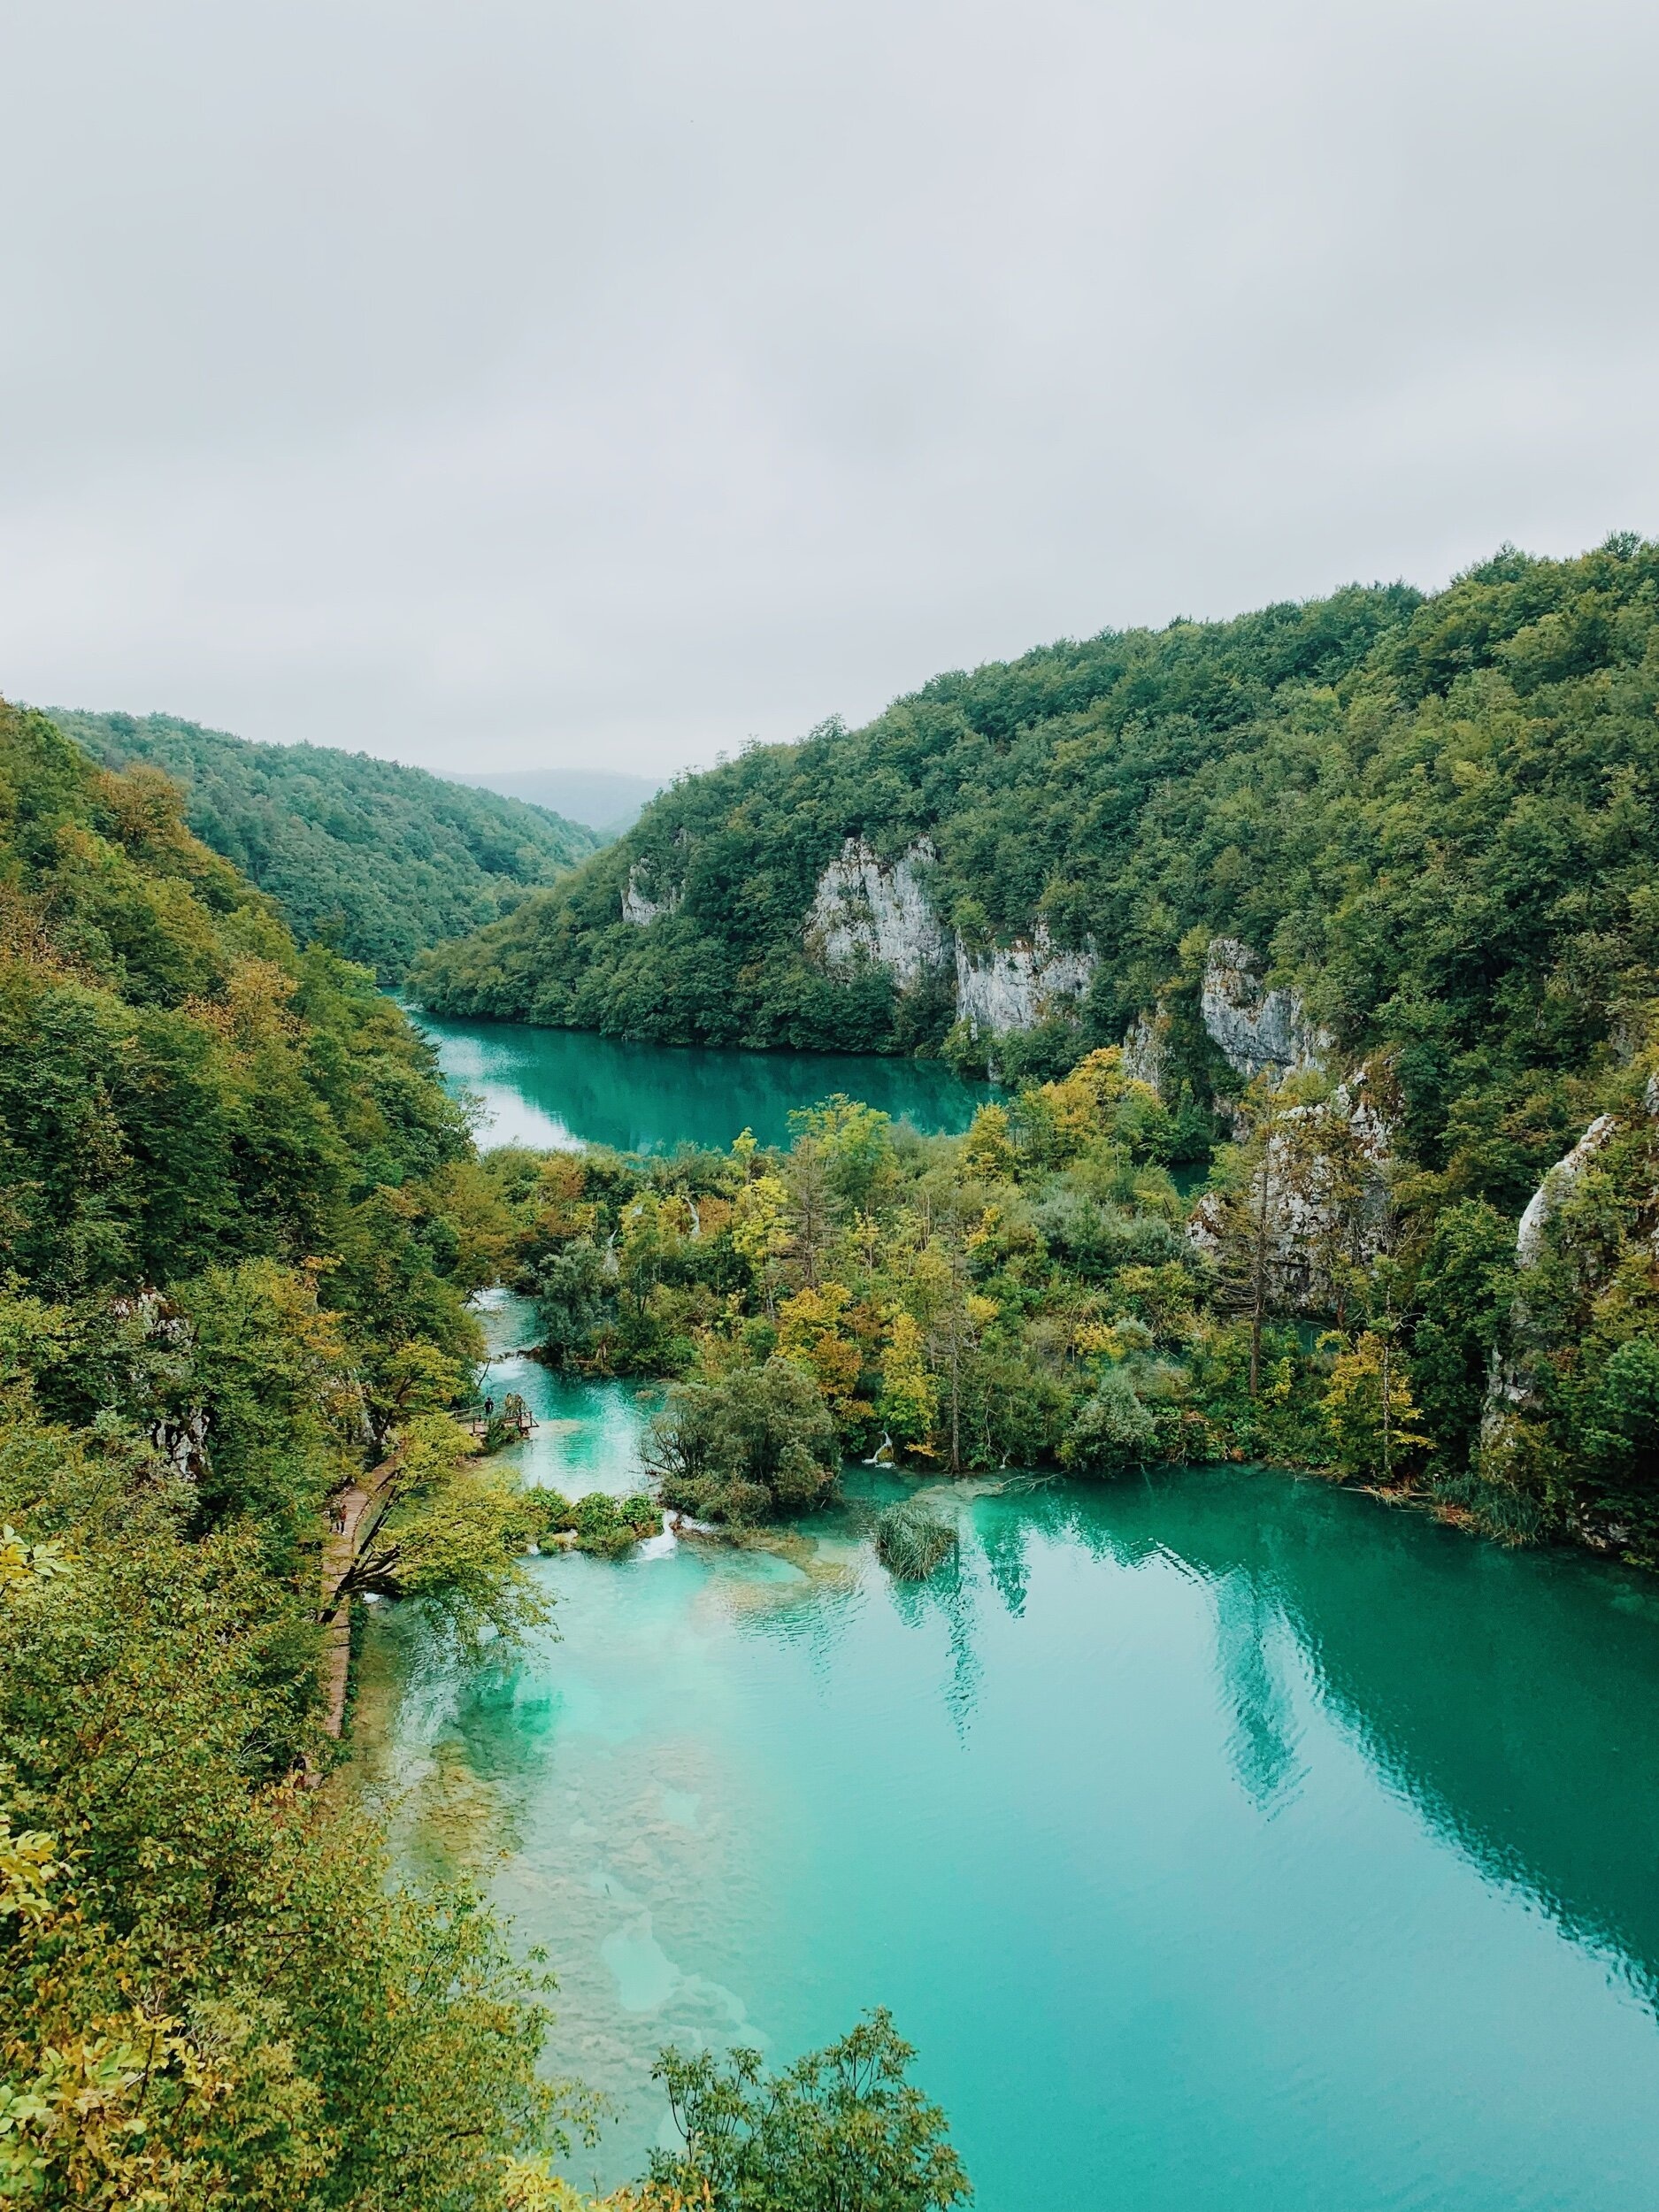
378, 860
1433, 815
239, 1221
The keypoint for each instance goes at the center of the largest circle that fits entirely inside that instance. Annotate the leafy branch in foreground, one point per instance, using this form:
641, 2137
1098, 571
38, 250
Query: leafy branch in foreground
842, 2129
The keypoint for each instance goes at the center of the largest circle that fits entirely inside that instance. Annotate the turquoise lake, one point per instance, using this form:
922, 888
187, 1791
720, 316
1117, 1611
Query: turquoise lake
558, 1087
1225, 1842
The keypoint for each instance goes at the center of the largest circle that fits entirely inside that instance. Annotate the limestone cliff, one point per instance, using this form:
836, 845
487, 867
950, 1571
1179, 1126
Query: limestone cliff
638, 906
1258, 1031
1320, 1194
1147, 1050
868, 912
1509, 1391
1020, 985
1555, 1188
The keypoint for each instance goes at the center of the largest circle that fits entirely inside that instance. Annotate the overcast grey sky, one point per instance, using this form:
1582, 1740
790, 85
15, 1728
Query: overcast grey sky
496, 383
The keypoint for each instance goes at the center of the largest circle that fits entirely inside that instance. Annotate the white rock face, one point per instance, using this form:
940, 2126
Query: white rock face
1509, 1389
638, 906
1257, 1030
1315, 1152
1021, 983
1146, 1047
871, 912
1555, 1188
183, 1440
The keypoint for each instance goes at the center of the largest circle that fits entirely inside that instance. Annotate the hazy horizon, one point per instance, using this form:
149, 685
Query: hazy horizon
510, 387
505, 780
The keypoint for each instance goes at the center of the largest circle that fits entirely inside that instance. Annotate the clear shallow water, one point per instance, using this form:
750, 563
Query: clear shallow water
1222, 1840
587, 1434
563, 1087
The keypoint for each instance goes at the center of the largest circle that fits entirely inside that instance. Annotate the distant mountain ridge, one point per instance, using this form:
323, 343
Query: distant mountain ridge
378, 859
605, 800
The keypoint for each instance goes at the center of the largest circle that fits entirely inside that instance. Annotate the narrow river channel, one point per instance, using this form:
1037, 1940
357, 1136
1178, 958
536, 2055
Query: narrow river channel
1226, 1842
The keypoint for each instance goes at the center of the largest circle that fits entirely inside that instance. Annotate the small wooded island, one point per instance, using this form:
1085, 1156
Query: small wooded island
1316, 957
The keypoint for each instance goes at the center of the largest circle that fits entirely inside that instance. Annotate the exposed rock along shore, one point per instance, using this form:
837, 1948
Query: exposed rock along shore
869, 912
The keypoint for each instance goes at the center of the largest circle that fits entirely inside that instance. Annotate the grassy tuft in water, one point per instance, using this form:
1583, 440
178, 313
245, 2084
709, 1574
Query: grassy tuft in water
911, 1541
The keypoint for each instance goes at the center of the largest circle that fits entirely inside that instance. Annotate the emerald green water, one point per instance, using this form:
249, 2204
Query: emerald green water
1226, 1842
560, 1088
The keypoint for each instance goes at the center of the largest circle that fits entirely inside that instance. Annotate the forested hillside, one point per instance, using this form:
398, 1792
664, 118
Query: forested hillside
238, 1222
378, 860
1367, 892
1066, 786
1432, 817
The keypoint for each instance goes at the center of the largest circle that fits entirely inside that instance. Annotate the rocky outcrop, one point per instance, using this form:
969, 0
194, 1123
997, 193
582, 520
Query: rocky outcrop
1022, 984
1319, 1198
1146, 1051
1509, 1388
155, 1316
868, 912
1557, 1187
1259, 1031
182, 1439
871, 912
638, 906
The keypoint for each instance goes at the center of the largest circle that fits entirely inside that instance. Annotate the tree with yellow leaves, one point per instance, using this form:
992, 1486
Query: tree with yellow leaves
761, 1233
1369, 1407
909, 1406
810, 1332
987, 1150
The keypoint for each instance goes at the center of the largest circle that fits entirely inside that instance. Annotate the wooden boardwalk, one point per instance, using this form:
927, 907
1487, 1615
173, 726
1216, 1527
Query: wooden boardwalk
355, 1513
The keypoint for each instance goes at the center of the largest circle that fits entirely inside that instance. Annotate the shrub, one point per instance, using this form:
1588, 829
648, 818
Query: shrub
1112, 1430
609, 1527
757, 1444
840, 2131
